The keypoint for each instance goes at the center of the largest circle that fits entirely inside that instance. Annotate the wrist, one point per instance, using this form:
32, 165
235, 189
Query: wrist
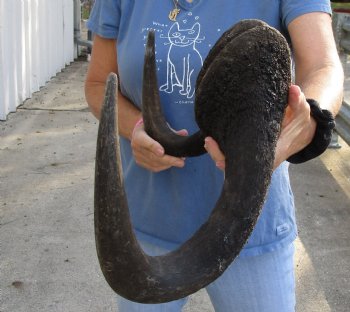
323, 124
312, 129
138, 123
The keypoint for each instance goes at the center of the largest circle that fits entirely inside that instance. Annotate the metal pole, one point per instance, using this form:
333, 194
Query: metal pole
77, 30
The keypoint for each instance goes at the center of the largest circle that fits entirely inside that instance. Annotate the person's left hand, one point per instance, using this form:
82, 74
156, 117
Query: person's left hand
298, 129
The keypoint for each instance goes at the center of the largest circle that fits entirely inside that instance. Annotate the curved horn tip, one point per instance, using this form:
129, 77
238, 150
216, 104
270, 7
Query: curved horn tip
151, 35
112, 78
150, 42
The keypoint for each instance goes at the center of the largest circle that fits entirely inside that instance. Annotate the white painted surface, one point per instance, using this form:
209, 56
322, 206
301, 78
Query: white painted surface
36, 42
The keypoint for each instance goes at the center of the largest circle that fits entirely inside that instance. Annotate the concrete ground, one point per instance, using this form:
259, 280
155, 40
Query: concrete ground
47, 253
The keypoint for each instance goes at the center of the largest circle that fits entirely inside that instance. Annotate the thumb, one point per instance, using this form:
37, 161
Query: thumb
294, 96
182, 132
293, 104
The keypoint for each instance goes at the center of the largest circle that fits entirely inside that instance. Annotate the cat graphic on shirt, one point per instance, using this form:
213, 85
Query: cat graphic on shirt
183, 47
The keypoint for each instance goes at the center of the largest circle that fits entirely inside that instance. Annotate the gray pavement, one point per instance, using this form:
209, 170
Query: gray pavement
47, 253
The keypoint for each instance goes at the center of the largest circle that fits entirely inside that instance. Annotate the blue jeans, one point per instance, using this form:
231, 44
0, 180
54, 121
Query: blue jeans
263, 283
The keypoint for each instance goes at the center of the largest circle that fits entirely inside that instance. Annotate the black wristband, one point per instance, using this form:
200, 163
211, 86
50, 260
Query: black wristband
323, 135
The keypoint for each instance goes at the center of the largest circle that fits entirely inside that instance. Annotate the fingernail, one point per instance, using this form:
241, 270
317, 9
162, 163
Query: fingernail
160, 152
220, 164
179, 163
206, 141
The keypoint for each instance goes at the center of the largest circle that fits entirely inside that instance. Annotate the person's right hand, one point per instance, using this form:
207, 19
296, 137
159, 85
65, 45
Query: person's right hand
149, 154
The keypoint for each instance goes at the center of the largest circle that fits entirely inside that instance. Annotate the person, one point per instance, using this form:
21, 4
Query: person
170, 197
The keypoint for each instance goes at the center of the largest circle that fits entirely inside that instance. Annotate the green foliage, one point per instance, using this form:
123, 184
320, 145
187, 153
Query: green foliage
85, 13
86, 7
340, 5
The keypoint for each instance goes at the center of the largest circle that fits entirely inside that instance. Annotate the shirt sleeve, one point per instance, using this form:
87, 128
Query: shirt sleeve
291, 9
104, 18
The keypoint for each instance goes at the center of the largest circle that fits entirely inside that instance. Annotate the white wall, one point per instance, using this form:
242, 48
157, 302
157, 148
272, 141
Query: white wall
36, 42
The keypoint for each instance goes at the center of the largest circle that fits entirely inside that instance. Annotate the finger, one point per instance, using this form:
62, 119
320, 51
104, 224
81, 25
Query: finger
296, 98
150, 154
147, 157
294, 94
182, 132
141, 141
172, 161
214, 151
296, 103
155, 163
297, 127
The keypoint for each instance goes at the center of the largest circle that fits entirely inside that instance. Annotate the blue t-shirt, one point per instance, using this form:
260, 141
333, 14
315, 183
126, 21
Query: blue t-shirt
168, 207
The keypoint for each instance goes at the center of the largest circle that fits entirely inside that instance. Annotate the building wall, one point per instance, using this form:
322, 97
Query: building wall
36, 42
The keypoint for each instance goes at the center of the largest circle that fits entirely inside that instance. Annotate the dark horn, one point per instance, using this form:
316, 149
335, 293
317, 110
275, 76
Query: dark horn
226, 37
242, 108
154, 121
